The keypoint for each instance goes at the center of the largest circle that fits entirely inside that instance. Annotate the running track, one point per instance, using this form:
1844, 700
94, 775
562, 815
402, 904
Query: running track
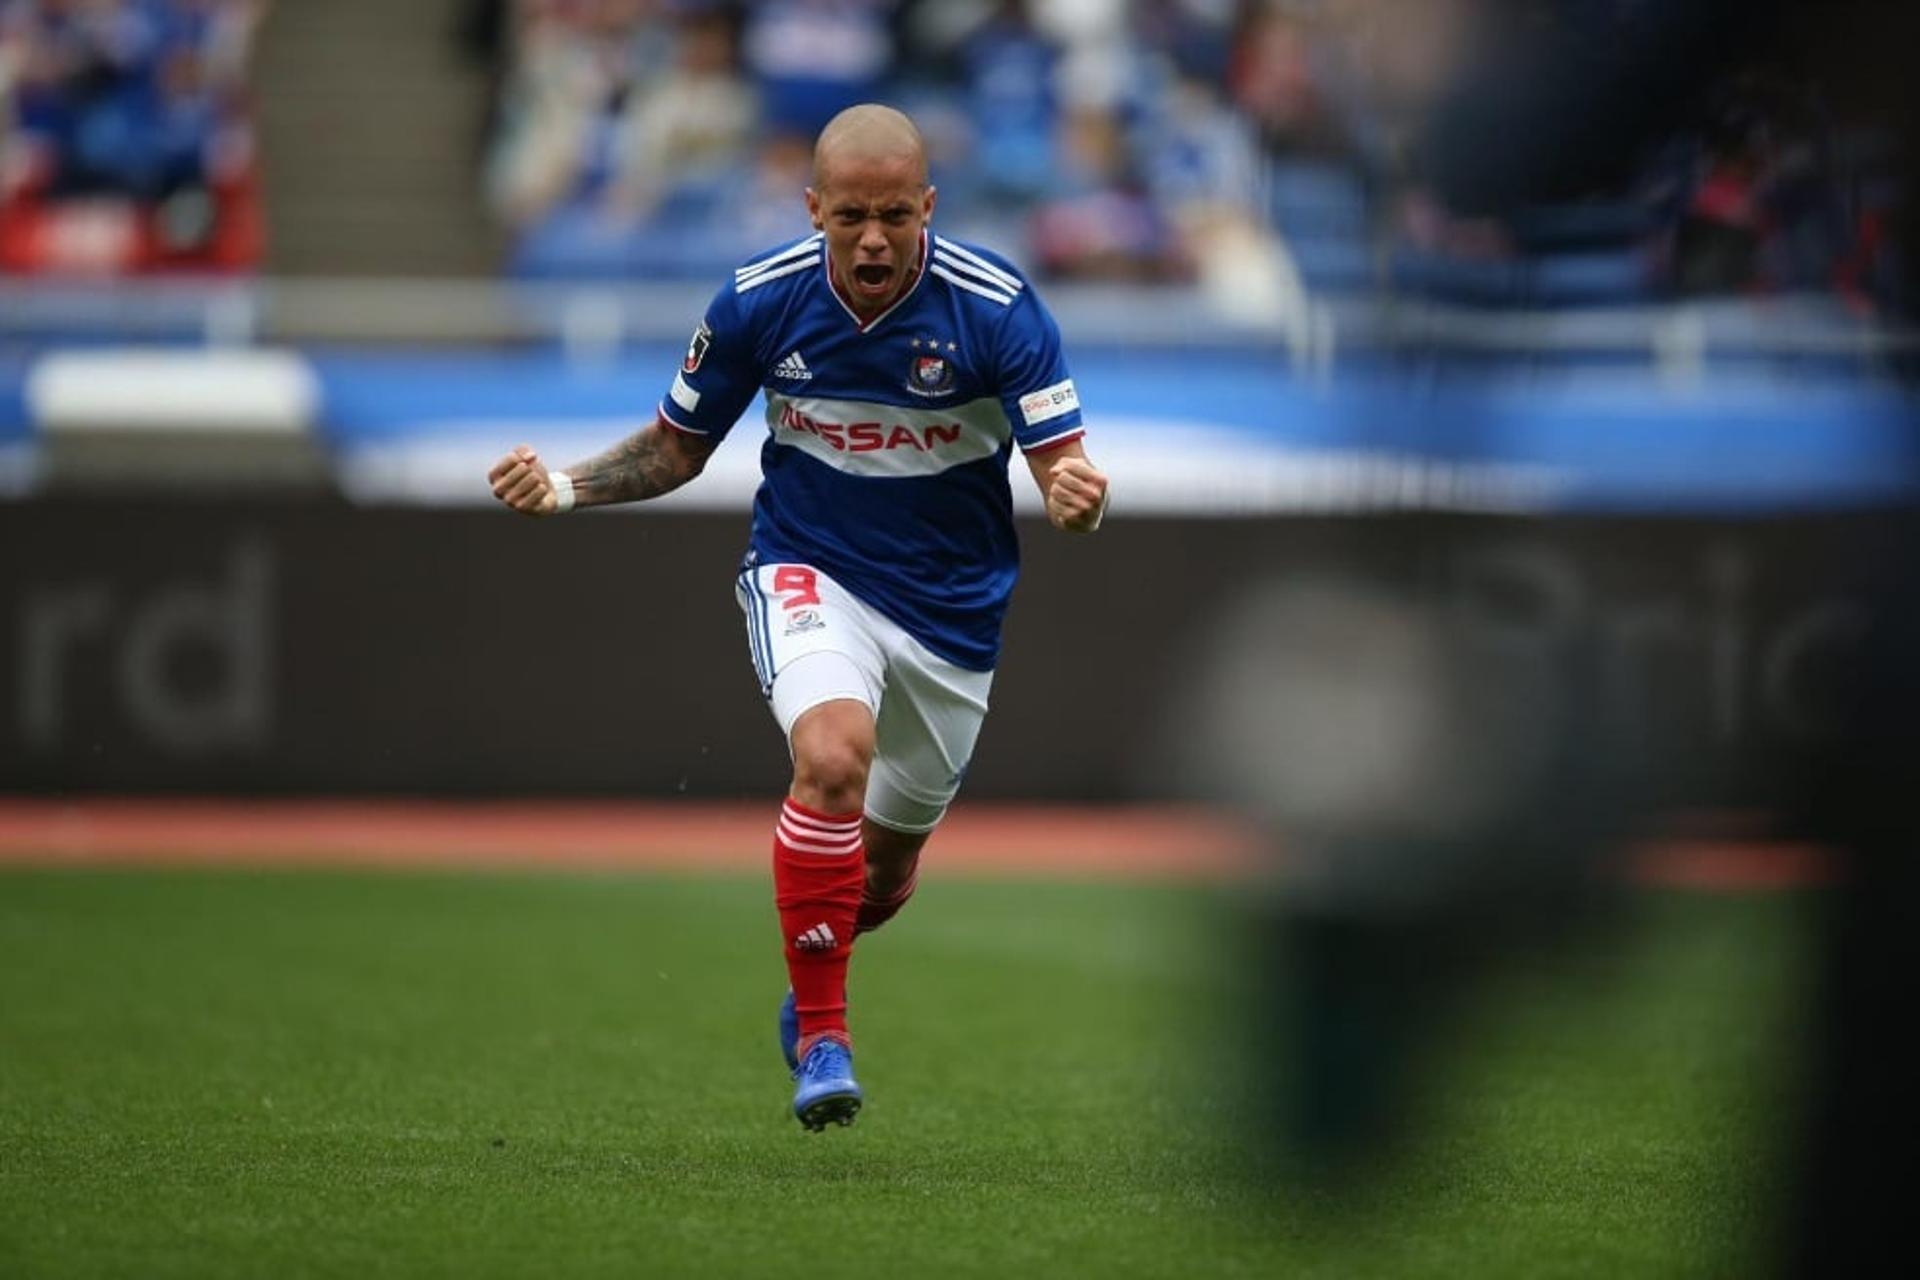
1714, 853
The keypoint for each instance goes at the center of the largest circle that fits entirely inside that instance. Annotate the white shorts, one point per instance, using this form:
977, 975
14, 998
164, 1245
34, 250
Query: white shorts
812, 642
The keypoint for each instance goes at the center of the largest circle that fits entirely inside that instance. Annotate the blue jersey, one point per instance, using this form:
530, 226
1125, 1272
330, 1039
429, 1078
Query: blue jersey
885, 463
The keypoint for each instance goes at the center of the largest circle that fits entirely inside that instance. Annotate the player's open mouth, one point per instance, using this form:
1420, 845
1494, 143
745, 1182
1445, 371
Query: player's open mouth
872, 277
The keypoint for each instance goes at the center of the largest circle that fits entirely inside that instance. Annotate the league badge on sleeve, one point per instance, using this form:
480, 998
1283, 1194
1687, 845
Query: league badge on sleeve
697, 348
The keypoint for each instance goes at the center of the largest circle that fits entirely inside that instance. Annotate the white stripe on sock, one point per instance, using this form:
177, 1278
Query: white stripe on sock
802, 845
836, 826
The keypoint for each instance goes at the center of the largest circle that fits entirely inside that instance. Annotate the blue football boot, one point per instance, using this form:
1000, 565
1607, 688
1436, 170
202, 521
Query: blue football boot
828, 1093
790, 1032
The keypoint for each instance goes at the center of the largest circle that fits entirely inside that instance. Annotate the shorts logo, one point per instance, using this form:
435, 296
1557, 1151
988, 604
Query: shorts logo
804, 620
697, 348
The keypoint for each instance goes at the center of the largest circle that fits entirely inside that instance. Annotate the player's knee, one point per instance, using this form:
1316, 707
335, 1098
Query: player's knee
830, 774
832, 749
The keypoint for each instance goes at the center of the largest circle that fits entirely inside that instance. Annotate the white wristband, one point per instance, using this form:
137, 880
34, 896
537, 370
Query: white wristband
562, 492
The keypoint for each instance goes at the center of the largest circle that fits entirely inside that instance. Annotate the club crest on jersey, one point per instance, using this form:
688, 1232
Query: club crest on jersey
697, 348
930, 376
804, 620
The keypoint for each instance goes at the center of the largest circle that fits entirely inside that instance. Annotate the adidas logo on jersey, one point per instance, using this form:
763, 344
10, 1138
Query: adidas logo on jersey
818, 938
793, 368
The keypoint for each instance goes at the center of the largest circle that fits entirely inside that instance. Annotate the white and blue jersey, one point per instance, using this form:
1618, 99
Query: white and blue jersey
885, 464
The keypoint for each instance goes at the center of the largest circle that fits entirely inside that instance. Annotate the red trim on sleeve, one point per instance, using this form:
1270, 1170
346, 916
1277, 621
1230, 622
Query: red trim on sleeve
661, 414
1050, 445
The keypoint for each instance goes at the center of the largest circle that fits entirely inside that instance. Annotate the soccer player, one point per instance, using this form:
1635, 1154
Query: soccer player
900, 369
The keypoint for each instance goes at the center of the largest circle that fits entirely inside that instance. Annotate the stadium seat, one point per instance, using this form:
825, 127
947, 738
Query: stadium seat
1587, 279
1306, 199
1334, 264
1586, 225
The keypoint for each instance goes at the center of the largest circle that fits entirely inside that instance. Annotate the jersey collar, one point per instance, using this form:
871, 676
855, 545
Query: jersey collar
826, 265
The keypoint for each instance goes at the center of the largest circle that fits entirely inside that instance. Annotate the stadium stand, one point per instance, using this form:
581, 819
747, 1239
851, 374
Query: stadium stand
1250, 149
126, 138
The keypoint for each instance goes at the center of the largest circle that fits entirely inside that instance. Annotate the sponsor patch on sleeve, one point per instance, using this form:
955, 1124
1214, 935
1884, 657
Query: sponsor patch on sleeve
1049, 403
683, 395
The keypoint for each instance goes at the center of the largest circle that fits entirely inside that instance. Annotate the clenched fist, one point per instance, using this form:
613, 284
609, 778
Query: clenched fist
1076, 495
521, 481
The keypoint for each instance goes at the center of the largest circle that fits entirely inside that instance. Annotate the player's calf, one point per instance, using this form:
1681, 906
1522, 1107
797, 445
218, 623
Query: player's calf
876, 908
818, 873
893, 872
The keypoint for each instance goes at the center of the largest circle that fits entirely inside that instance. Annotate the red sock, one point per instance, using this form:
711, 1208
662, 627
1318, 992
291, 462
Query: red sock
818, 873
875, 912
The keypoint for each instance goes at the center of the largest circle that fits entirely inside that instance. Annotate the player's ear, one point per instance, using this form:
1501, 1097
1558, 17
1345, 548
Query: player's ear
813, 210
926, 210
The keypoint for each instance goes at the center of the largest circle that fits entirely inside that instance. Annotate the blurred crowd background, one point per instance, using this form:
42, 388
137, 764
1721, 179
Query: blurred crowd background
125, 137
1249, 145
1250, 148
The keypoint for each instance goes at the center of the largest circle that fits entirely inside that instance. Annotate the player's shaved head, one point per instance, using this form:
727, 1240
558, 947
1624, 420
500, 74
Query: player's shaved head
869, 135
871, 199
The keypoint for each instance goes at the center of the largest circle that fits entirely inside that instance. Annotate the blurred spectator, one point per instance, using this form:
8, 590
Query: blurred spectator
1420, 220
1763, 207
1195, 36
1273, 82
1201, 167
809, 59
1011, 103
691, 124
578, 60
1717, 242
1098, 218
1098, 222
222, 31
765, 205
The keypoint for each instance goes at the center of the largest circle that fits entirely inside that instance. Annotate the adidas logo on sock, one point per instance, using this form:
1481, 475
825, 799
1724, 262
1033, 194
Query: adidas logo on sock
793, 368
818, 938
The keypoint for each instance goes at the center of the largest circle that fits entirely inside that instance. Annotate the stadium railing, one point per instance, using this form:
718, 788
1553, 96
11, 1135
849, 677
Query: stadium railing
408, 387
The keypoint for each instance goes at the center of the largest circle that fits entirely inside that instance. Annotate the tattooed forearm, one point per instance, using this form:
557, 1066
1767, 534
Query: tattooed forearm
644, 465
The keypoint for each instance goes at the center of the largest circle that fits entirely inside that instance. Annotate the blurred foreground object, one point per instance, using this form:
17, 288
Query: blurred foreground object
1445, 768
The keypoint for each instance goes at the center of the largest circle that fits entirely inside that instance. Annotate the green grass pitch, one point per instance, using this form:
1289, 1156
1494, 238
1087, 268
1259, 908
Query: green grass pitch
245, 1074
